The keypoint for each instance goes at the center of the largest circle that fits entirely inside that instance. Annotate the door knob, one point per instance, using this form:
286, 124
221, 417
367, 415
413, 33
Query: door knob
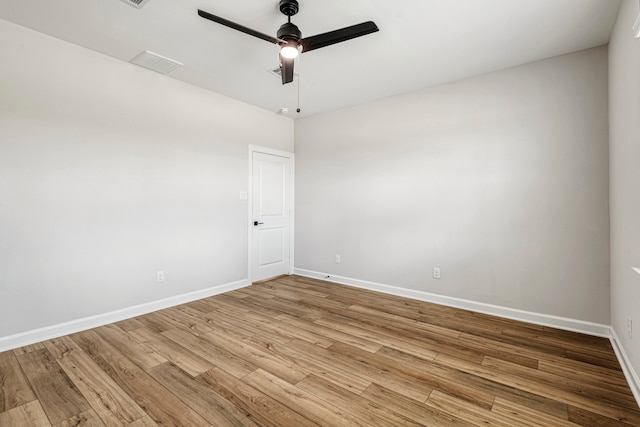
256, 223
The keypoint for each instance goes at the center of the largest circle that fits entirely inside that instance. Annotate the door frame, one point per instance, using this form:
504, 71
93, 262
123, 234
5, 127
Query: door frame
250, 227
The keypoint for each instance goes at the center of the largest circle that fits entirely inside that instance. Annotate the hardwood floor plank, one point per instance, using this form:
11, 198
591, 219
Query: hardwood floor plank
561, 342
554, 393
442, 369
162, 406
200, 305
322, 413
189, 319
517, 413
28, 349
411, 326
421, 339
436, 378
58, 395
381, 338
222, 321
139, 353
485, 330
28, 415
205, 401
14, 388
59, 347
97, 348
579, 387
328, 305
255, 305
595, 359
129, 324
225, 301
109, 401
286, 307
318, 365
155, 321
595, 375
217, 356
247, 292
85, 419
538, 403
270, 326
363, 310
254, 355
415, 411
236, 294
144, 422
330, 333
432, 317
585, 417
266, 409
435, 338
360, 407
510, 349
170, 350
418, 391
469, 412
307, 290
281, 292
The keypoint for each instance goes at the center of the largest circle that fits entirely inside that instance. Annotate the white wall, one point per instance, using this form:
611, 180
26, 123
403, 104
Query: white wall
500, 180
624, 118
109, 173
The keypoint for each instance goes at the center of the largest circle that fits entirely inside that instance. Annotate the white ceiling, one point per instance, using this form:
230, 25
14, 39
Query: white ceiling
421, 42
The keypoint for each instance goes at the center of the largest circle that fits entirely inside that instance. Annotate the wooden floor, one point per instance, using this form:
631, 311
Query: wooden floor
301, 352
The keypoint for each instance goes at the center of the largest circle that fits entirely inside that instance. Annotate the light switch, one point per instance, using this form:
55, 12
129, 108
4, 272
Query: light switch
243, 195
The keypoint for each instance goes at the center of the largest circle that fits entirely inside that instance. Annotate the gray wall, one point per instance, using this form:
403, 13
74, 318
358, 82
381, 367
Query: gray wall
624, 118
500, 180
109, 173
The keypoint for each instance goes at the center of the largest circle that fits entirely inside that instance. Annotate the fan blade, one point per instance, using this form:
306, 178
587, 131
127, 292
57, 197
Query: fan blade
242, 28
337, 36
286, 69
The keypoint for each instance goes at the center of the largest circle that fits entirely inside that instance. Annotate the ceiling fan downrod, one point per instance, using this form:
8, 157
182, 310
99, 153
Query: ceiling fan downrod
288, 31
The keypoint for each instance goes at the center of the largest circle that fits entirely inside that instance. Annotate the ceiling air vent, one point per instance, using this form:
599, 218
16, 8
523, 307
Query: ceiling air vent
155, 62
136, 3
278, 72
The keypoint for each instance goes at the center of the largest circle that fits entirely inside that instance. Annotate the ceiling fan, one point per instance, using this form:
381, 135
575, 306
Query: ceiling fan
289, 37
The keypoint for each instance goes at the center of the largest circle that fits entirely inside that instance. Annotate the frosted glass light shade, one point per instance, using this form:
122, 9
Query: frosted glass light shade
289, 51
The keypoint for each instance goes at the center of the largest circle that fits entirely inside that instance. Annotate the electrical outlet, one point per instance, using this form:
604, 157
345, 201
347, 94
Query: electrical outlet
630, 327
436, 272
160, 276
336, 259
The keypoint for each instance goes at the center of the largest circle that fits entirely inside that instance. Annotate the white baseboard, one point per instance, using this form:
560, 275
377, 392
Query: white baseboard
564, 323
630, 374
37, 335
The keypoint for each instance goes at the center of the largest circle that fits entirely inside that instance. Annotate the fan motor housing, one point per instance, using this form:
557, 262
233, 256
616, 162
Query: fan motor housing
289, 31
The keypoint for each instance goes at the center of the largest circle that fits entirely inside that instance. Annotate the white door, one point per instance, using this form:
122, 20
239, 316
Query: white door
271, 216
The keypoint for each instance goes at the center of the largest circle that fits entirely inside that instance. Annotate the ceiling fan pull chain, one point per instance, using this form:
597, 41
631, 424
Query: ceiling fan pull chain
298, 109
